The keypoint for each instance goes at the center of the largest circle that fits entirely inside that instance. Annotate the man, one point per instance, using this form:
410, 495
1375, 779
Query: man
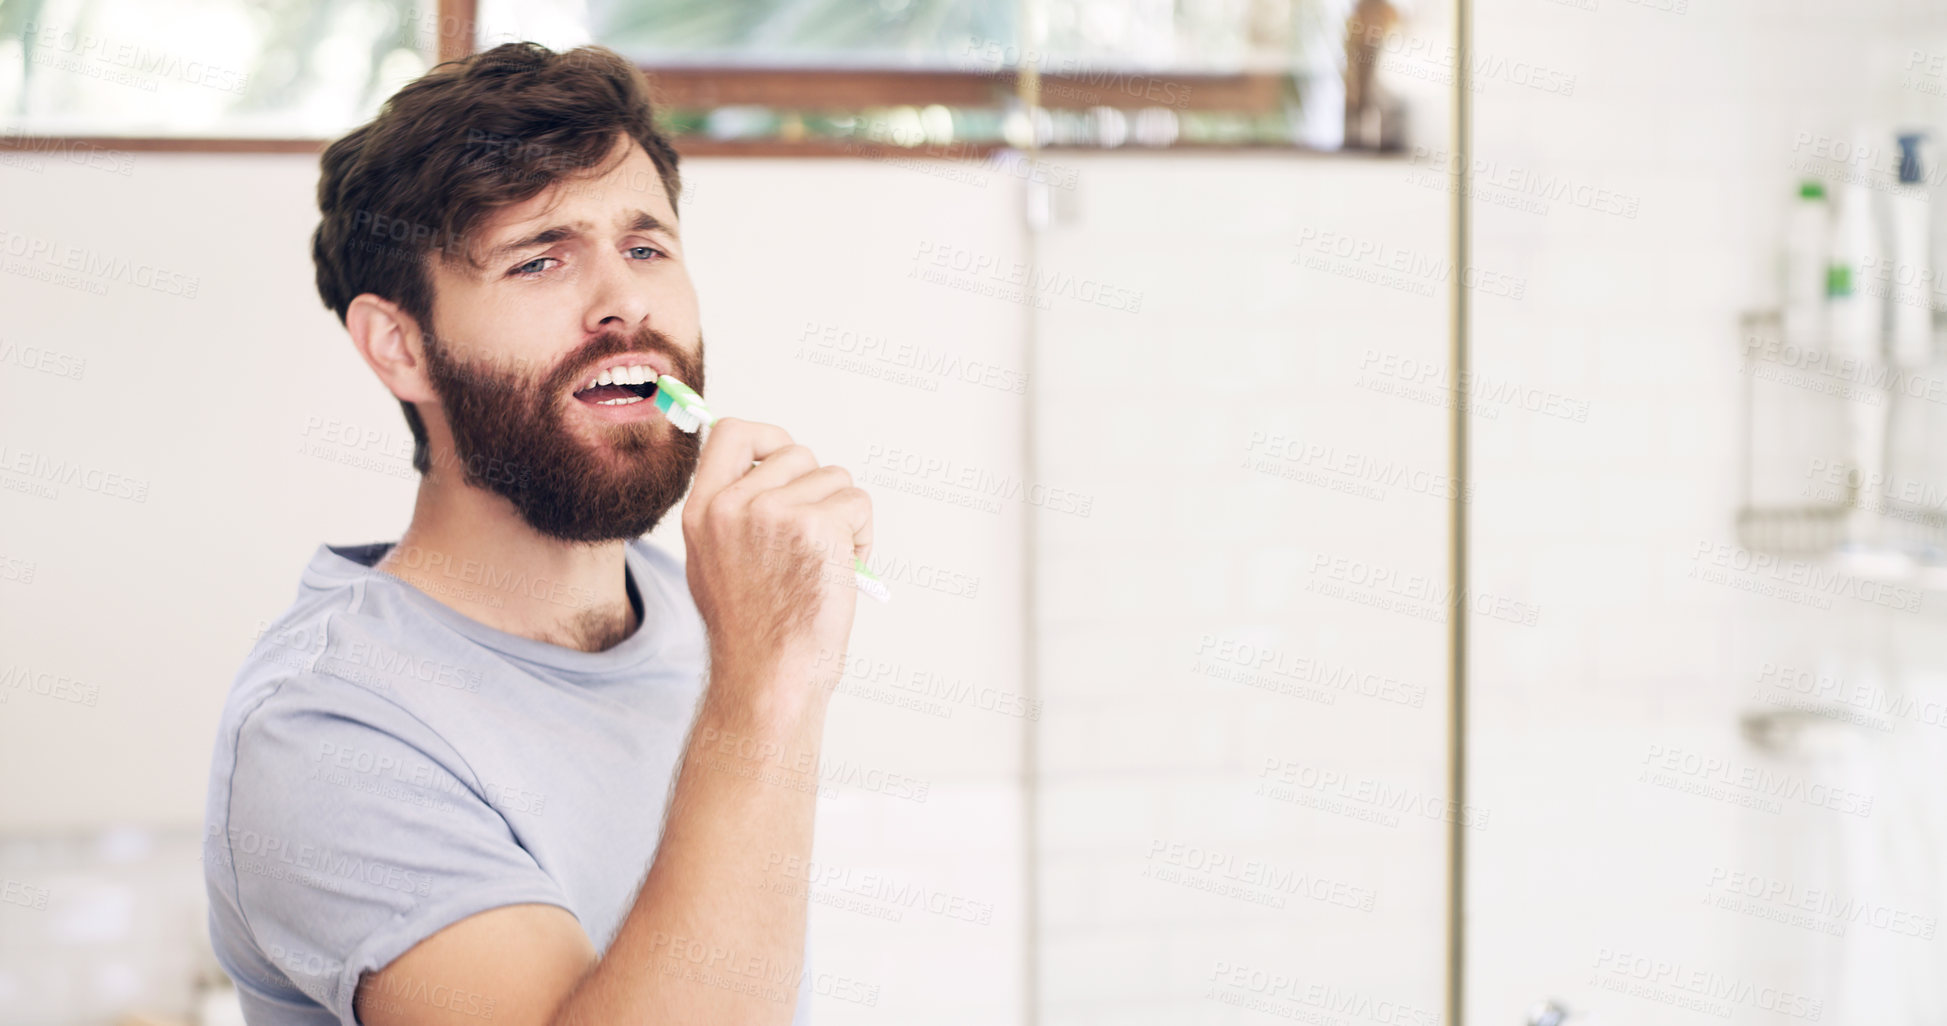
521, 765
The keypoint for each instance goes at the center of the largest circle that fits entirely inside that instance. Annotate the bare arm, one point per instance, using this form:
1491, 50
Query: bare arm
715, 935
711, 938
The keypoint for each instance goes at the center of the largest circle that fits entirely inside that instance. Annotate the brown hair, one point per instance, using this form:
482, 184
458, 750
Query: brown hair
448, 148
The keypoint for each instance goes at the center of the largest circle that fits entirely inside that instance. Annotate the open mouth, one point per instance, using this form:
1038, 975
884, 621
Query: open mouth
619, 386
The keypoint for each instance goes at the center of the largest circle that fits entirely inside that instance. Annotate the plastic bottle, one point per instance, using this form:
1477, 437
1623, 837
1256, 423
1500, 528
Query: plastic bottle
1854, 319
1907, 275
1808, 241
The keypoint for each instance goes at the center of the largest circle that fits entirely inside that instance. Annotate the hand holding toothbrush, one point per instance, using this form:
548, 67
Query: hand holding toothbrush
762, 543
687, 410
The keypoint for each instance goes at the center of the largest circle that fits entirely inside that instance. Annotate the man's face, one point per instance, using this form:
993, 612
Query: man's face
520, 337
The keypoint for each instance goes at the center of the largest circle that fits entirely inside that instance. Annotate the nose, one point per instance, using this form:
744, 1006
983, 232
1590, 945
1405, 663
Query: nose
617, 298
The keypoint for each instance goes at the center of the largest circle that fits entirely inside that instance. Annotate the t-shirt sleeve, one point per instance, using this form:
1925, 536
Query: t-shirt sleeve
355, 832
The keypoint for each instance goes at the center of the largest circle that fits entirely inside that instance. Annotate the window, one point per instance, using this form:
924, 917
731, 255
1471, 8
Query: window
951, 73
307, 69
731, 76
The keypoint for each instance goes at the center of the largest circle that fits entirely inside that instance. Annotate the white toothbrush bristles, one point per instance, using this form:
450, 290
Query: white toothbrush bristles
688, 418
873, 588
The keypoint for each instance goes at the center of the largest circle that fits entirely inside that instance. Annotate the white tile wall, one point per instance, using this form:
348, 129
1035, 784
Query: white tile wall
1160, 862
1695, 113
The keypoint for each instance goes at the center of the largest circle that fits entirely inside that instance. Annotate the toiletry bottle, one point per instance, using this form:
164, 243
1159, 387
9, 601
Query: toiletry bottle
1808, 232
1854, 339
1908, 277
1934, 180
1854, 320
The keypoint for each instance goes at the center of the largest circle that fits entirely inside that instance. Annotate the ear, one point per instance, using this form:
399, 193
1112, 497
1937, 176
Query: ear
390, 341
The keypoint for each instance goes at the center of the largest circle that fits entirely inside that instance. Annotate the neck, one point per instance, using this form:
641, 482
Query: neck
471, 551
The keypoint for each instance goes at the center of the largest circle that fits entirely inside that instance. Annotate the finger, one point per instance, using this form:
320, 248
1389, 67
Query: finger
772, 472
728, 453
853, 508
814, 486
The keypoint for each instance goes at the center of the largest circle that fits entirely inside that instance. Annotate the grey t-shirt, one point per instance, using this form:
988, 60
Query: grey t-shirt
386, 766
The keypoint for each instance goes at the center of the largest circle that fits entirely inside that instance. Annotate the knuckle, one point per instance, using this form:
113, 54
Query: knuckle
720, 512
767, 508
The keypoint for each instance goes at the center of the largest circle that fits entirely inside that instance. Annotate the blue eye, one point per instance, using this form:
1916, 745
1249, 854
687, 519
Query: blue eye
529, 270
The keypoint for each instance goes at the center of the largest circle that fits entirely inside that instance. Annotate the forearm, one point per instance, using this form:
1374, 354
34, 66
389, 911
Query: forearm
717, 932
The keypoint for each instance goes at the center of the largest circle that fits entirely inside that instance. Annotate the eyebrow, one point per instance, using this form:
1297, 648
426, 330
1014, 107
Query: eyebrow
643, 221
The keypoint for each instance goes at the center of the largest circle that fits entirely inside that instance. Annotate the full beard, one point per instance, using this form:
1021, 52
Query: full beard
511, 437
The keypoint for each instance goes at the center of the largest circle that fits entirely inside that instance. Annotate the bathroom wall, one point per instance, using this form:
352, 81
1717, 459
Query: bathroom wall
1242, 643
1646, 862
241, 431
1169, 546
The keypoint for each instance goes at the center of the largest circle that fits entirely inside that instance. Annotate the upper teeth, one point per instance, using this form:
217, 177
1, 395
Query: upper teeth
632, 375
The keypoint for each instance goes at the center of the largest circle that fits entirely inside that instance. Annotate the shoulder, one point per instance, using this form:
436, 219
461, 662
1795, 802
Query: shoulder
319, 690
317, 664
304, 718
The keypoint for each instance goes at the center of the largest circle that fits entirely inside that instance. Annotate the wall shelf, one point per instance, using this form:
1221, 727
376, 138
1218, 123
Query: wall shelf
1810, 491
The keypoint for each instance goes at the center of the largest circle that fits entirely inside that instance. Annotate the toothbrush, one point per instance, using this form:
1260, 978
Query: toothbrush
688, 411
